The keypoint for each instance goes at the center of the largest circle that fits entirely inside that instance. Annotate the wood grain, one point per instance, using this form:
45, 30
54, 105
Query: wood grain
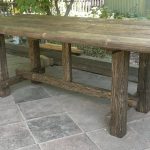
120, 64
4, 91
123, 35
76, 87
34, 55
144, 84
66, 61
84, 63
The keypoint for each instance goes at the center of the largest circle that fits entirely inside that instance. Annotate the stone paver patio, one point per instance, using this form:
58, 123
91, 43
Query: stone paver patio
41, 117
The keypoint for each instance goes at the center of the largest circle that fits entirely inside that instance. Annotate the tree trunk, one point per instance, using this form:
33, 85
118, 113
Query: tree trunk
69, 8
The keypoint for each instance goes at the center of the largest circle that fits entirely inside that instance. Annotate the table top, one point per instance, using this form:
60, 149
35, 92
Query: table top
130, 35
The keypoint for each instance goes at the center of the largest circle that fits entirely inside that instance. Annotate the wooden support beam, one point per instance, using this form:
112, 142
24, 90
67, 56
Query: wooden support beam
11, 81
58, 48
91, 91
143, 90
66, 61
4, 91
34, 55
120, 65
78, 62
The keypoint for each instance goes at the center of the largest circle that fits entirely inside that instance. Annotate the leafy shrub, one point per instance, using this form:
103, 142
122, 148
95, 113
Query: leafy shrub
34, 6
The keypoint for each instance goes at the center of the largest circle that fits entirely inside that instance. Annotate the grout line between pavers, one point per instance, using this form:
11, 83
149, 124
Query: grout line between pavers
99, 147
27, 125
27, 147
97, 130
138, 120
15, 123
56, 114
75, 122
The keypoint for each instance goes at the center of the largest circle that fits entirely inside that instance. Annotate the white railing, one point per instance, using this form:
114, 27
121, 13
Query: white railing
80, 7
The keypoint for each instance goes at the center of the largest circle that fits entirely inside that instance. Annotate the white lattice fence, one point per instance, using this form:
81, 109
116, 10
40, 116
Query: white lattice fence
80, 7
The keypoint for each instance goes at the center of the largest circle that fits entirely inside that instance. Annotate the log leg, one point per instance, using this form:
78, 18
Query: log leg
34, 54
144, 84
66, 60
120, 66
3, 67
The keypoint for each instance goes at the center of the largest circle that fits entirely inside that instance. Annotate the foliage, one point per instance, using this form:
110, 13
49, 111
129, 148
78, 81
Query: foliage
99, 12
93, 51
104, 12
49, 7
34, 6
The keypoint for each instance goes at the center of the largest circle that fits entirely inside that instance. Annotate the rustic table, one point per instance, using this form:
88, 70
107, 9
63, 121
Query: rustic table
120, 37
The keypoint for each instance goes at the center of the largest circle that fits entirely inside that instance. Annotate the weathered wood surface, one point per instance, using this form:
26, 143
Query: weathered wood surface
78, 62
11, 81
144, 84
34, 54
67, 61
4, 91
120, 64
57, 47
123, 35
48, 79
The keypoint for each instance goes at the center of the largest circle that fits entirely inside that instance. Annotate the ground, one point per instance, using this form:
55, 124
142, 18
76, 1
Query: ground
42, 117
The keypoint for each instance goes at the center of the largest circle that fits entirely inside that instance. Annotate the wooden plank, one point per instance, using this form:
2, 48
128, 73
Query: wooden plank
120, 64
4, 91
91, 91
56, 47
66, 61
84, 63
144, 84
105, 35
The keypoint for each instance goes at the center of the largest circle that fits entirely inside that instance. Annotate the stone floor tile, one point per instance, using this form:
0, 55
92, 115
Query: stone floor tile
40, 108
76, 102
54, 91
29, 94
90, 120
88, 112
142, 127
132, 141
32, 147
14, 136
134, 115
78, 142
147, 149
54, 127
9, 100
22, 85
9, 114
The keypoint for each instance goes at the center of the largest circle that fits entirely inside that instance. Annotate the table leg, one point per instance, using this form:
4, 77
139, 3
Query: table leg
3, 67
34, 54
144, 83
120, 66
66, 61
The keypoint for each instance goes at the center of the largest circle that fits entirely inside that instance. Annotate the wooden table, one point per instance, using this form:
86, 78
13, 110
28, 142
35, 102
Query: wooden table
121, 37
